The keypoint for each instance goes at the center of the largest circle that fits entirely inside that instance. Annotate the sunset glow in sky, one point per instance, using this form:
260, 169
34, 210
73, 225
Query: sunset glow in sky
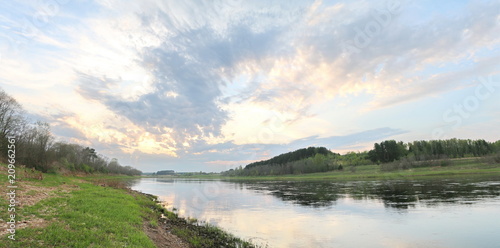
210, 85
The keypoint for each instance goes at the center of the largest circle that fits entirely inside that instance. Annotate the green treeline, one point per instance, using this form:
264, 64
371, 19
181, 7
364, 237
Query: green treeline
390, 154
306, 160
293, 156
164, 172
390, 150
32, 145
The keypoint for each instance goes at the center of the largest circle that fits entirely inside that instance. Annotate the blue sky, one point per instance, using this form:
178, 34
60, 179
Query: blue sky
210, 85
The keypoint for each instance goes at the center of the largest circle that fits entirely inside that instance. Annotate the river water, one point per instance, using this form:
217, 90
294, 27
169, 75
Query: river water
405, 213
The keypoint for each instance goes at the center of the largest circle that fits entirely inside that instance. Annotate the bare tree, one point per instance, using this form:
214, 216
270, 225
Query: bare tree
35, 147
11, 119
34, 144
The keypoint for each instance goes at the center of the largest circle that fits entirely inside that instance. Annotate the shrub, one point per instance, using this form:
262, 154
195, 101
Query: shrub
492, 159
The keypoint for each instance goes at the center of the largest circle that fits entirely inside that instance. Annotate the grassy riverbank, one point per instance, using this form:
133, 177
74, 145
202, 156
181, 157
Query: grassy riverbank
455, 168
98, 211
64, 211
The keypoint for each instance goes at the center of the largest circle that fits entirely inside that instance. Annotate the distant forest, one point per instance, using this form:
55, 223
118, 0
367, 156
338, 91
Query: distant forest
389, 154
390, 150
293, 156
35, 146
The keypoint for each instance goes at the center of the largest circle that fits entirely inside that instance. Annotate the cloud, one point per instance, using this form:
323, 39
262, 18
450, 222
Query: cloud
403, 57
188, 70
63, 130
229, 154
288, 64
441, 83
199, 79
400, 61
223, 156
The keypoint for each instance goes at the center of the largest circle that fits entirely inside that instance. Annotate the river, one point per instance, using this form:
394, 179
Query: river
395, 213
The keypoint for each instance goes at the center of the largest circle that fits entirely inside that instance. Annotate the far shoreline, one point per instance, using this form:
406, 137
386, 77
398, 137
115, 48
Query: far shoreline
462, 167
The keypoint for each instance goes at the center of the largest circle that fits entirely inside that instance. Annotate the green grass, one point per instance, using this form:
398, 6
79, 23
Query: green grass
457, 168
49, 180
78, 212
91, 216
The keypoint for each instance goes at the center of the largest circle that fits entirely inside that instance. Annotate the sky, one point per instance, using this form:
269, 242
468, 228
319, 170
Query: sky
211, 85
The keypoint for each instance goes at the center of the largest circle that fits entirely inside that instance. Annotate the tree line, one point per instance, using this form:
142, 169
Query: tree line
390, 154
292, 156
35, 147
164, 172
422, 150
305, 160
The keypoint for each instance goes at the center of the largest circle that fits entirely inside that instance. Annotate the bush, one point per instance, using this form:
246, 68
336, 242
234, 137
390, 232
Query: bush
492, 159
411, 162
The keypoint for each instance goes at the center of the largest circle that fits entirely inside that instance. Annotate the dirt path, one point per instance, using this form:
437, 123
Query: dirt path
163, 238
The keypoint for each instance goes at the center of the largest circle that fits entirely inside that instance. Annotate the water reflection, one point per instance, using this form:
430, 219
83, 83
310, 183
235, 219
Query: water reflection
317, 194
411, 213
402, 194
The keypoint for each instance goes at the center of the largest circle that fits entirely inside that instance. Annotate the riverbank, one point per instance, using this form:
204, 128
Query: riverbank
69, 211
465, 167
